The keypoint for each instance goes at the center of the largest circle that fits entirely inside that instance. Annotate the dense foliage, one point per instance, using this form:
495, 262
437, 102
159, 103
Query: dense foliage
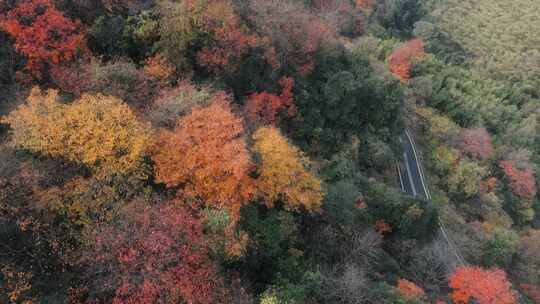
252, 151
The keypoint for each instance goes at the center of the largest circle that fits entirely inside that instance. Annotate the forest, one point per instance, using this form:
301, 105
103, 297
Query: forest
247, 151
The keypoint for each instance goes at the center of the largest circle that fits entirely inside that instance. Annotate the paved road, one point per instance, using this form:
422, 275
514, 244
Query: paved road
412, 180
411, 176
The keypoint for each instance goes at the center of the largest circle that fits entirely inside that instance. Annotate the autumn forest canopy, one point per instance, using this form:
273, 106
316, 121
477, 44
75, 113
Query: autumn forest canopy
247, 151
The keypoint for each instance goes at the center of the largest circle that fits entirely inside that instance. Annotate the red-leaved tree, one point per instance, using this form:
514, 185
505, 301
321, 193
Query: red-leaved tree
532, 291
344, 16
265, 107
477, 143
401, 58
120, 78
485, 286
43, 35
208, 32
153, 255
520, 180
295, 35
231, 39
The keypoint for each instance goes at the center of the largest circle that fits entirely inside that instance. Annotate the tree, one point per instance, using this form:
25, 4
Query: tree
531, 291
275, 257
503, 49
528, 260
205, 32
343, 201
120, 78
38, 257
295, 35
485, 286
73, 79
445, 160
382, 227
8, 61
439, 43
159, 68
152, 255
132, 34
521, 180
468, 98
401, 58
465, 179
118, 6
265, 107
108, 36
348, 284
500, 248
521, 184
404, 215
365, 4
43, 35
283, 174
409, 290
348, 18
176, 102
399, 16
345, 100
232, 40
440, 129
206, 156
96, 130
477, 143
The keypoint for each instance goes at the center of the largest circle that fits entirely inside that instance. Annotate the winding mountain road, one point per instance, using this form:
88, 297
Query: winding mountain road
411, 176
412, 181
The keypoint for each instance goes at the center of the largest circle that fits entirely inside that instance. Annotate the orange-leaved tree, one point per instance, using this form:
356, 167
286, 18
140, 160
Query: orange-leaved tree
206, 156
159, 68
365, 4
98, 131
401, 59
43, 35
265, 107
283, 175
409, 290
485, 286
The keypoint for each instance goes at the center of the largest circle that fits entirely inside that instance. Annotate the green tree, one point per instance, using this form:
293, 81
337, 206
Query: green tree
465, 179
353, 100
500, 248
399, 16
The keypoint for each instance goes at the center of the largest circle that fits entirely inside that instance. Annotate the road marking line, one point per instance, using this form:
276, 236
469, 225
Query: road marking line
417, 165
400, 179
409, 173
454, 248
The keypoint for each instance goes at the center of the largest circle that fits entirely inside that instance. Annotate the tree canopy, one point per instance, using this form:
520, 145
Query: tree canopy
96, 130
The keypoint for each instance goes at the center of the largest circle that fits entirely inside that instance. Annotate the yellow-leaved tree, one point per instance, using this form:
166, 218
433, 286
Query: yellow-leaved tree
283, 173
98, 131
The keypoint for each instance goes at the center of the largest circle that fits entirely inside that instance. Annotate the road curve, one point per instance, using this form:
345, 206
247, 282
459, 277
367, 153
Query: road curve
412, 181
